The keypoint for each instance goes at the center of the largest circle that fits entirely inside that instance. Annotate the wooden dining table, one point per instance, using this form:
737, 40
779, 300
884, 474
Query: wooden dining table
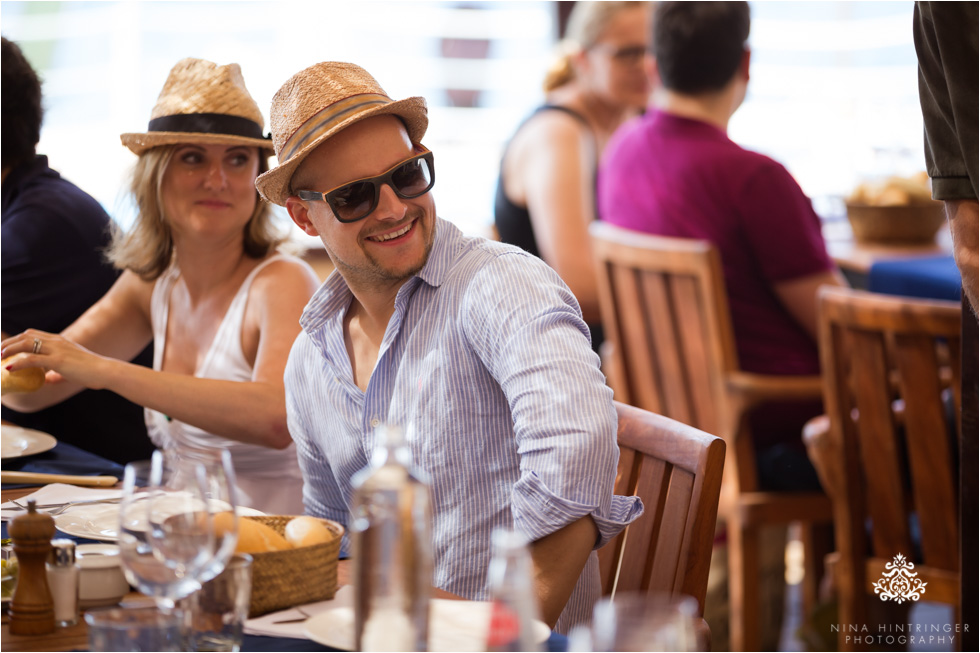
75, 638
856, 258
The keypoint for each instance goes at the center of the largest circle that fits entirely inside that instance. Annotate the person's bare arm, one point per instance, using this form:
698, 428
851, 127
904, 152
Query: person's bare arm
558, 562
962, 216
252, 411
799, 296
116, 326
557, 178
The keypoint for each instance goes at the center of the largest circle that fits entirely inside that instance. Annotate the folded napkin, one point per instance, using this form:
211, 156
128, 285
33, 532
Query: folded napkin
58, 493
265, 625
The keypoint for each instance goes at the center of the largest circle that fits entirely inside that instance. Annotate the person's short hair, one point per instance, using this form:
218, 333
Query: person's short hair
22, 113
147, 248
699, 45
586, 24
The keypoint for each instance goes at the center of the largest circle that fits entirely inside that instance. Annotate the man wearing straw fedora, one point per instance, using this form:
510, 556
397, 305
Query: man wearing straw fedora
477, 348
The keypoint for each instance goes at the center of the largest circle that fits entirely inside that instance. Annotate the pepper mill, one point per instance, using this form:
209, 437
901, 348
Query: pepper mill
32, 610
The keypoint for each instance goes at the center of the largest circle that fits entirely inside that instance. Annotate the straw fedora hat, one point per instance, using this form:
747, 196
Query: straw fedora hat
316, 103
202, 102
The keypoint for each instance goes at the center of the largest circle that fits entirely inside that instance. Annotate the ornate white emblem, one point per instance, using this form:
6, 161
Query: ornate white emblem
899, 582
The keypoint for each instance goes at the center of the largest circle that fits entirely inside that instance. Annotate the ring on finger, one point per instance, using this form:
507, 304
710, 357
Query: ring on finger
37, 346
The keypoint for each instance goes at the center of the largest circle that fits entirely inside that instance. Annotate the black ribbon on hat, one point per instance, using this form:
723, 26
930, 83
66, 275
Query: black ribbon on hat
208, 123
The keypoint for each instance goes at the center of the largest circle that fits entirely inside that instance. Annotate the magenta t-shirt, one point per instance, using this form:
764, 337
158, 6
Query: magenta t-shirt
673, 176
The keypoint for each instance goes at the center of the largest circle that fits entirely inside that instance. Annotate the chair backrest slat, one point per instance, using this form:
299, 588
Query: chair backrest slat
930, 453
644, 381
882, 462
700, 368
646, 536
663, 328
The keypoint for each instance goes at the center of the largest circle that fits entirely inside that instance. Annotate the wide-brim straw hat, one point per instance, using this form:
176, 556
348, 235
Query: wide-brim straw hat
317, 103
202, 102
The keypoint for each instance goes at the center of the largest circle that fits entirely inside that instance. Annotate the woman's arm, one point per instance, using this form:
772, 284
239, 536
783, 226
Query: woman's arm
116, 326
557, 169
253, 412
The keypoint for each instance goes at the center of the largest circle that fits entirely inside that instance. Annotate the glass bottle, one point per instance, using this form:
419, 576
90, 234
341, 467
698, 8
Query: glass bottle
515, 605
391, 527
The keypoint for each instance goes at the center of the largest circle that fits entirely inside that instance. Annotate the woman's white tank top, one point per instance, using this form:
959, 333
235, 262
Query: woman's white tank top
268, 479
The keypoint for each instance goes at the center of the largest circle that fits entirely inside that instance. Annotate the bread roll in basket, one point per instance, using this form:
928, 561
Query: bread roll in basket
285, 577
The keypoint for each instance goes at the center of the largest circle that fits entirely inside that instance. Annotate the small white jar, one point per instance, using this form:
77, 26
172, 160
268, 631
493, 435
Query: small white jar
102, 581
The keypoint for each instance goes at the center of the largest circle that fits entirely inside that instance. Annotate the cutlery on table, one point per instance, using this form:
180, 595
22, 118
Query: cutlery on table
62, 507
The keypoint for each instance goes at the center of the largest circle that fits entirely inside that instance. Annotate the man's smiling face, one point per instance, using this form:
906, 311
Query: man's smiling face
393, 242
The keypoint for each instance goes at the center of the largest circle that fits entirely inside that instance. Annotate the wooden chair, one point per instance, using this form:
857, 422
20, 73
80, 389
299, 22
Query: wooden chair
891, 365
676, 470
666, 314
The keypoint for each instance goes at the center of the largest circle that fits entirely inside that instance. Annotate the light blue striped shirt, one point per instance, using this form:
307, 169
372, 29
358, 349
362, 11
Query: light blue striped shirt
487, 364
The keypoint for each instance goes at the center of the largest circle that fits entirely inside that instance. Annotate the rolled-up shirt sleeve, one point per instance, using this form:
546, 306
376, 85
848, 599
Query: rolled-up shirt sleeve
527, 327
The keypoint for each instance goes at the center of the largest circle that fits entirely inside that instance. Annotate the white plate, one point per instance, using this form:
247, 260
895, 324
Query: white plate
101, 521
18, 441
453, 625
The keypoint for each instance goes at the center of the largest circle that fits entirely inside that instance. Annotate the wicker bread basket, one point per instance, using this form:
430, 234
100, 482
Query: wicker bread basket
282, 579
912, 223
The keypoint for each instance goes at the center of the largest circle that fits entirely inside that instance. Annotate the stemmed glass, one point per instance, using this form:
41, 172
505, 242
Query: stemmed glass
178, 524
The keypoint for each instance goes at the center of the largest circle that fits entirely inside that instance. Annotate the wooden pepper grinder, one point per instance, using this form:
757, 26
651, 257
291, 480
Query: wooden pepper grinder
32, 610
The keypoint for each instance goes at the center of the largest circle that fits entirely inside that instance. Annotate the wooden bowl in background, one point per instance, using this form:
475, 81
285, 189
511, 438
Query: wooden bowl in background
911, 223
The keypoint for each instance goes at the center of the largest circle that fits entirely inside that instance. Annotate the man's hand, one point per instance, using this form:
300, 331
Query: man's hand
962, 216
558, 562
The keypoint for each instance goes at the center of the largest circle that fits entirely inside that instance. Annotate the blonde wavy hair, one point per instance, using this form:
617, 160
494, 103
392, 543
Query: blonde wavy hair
148, 249
586, 24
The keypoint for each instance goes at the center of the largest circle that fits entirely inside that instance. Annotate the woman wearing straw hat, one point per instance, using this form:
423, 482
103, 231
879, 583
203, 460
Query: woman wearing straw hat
203, 280
546, 190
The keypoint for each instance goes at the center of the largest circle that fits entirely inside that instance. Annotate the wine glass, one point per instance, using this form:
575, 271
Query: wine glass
194, 515
177, 524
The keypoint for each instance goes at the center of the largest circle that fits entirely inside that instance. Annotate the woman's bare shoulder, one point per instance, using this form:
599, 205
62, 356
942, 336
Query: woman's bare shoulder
286, 274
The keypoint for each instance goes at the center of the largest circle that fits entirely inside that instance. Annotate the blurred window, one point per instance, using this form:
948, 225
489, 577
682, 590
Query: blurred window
833, 94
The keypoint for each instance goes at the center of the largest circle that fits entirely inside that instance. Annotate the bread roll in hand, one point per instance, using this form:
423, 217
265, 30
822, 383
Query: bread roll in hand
26, 380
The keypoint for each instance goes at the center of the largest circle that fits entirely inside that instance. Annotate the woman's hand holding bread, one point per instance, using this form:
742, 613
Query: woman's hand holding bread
28, 379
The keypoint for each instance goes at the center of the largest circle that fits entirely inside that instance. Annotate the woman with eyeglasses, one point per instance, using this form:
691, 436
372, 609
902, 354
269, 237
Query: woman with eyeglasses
204, 282
546, 191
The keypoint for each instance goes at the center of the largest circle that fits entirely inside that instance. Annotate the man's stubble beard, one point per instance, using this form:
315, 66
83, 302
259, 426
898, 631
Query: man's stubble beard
376, 274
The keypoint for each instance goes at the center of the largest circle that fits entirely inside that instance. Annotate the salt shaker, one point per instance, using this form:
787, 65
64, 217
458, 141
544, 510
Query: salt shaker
63, 582
32, 610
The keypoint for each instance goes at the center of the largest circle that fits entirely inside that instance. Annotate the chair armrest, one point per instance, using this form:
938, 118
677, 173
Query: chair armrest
749, 389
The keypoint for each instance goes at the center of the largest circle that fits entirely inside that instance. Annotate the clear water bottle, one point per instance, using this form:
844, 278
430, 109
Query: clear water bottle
515, 604
391, 527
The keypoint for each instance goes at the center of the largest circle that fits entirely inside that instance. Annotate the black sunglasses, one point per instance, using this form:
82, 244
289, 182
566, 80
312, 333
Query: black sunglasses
356, 200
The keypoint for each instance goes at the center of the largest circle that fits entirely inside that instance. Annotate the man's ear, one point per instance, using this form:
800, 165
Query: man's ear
299, 211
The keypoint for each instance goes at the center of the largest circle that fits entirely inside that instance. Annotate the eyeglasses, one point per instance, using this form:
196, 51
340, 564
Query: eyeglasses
357, 200
629, 54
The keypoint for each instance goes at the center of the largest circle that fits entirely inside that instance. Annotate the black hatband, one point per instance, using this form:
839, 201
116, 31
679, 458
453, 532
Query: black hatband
207, 123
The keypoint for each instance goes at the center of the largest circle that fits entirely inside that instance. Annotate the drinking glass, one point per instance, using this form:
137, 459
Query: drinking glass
177, 524
645, 622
